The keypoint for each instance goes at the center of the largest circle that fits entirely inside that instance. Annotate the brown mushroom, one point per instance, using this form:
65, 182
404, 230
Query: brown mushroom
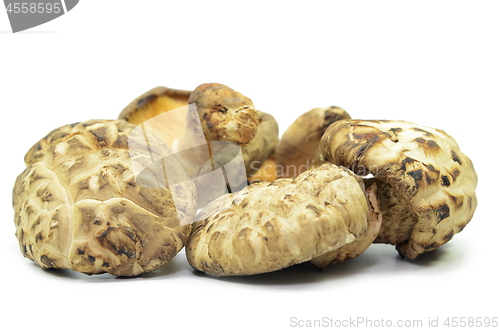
226, 115
78, 205
428, 190
298, 149
221, 114
155, 102
272, 226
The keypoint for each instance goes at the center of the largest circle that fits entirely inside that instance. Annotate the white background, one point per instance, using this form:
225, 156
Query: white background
436, 63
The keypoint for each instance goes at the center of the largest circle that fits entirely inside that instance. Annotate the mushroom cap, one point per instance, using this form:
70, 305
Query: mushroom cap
363, 241
226, 115
172, 98
272, 226
298, 149
257, 143
78, 206
422, 165
154, 102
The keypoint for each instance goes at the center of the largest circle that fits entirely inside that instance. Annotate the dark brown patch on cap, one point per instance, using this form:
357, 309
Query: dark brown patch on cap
448, 236
119, 168
455, 174
314, 209
242, 234
417, 175
144, 101
445, 181
45, 196
101, 135
461, 227
406, 161
457, 201
121, 142
115, 240
432, 246
214, 236
39, 237
432, 175
47, 261
428, 144
426, 133
442, 212
455, 157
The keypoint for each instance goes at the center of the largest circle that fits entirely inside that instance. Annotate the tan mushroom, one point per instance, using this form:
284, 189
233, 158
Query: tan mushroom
224, 115
298, 149
272, 226
428, 190
78, 206
363, 241
155, 102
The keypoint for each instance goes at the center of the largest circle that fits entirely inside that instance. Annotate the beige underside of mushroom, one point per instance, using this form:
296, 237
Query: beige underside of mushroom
298, 149
430, 184
177, 130
273, 226
78, 206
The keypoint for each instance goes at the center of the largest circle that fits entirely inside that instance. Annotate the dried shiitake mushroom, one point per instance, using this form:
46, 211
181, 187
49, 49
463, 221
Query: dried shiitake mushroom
78, 205
363, 241
155, 102
298, 149
427, 187
226, 115
267, 227
222, 114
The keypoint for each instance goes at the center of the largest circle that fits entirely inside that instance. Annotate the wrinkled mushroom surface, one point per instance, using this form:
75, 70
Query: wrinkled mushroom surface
363, 241
429, 194
298, 149
272, 226
226, 115
78, 206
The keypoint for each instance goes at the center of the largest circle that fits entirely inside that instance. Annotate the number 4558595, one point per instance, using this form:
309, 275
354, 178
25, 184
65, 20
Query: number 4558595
471, 322
24, 8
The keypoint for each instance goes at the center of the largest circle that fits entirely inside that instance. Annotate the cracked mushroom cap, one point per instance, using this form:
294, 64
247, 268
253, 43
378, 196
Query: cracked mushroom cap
272, 226
78, 206
428, 185
298, 149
